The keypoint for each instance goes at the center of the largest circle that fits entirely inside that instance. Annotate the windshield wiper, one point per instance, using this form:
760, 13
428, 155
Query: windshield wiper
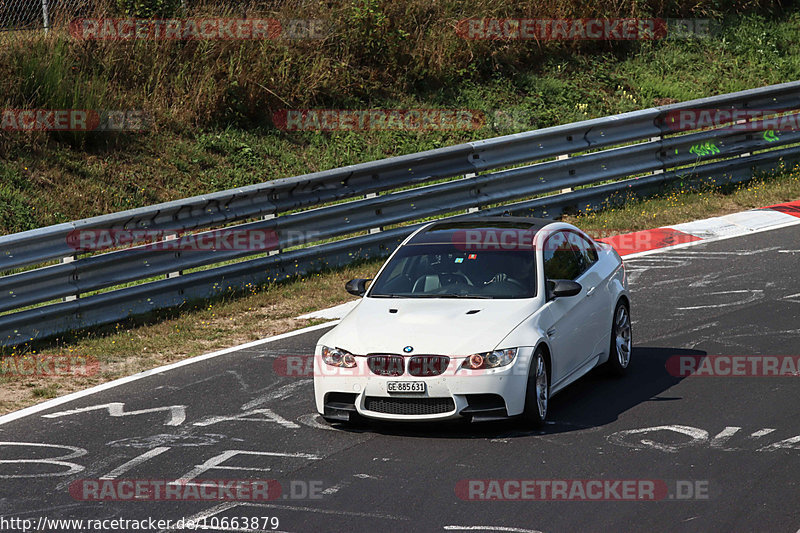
387, 296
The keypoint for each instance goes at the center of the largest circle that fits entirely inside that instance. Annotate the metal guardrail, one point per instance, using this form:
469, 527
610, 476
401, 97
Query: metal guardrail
633, 152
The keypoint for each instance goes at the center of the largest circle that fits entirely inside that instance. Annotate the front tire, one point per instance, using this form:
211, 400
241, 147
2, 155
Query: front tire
537, 393
619, 355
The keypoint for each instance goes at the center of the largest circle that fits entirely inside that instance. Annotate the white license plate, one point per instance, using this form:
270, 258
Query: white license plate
405, 386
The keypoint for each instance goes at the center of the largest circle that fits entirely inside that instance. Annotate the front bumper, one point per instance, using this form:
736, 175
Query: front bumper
342, 394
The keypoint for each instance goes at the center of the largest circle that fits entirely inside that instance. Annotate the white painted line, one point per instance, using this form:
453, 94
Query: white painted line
16, 415
323, 511
176, 418
709, 228
734, 224
761, 432
491, 528
758, 218
338, 311
146, 456
333, 489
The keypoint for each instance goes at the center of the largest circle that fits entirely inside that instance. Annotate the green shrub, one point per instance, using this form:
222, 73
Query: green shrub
149, 8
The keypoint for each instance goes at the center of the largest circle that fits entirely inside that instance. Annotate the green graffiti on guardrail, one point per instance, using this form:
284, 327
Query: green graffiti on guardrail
703, 149
770, 136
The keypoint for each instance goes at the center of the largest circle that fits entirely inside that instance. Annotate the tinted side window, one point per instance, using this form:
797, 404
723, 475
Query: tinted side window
560, 258
587, 255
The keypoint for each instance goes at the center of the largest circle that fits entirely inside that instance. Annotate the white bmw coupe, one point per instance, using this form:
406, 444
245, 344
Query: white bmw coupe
478, 318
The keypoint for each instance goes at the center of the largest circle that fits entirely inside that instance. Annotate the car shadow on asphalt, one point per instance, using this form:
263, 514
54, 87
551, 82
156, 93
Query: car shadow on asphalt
592, 402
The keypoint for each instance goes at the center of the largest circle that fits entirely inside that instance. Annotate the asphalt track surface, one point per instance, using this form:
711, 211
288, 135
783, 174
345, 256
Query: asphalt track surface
732, 440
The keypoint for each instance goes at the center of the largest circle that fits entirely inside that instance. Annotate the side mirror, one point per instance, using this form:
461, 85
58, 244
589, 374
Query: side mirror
357, 287
561, 288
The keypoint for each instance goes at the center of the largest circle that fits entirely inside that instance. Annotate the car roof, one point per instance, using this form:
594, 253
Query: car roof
444, 231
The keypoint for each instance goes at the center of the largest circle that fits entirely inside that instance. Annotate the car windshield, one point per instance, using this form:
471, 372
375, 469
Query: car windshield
444, 271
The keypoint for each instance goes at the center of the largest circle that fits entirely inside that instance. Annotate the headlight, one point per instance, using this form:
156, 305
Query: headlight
490, 359
338, 357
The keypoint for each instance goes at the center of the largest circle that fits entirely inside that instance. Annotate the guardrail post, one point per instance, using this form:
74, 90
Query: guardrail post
561, 158
472, 209
746, 154
172, 237
71, 297
657, 139
269, 216
45, 16
373, 231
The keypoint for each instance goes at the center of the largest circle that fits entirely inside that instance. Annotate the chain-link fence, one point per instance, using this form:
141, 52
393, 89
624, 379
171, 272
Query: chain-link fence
44, 14
39, 14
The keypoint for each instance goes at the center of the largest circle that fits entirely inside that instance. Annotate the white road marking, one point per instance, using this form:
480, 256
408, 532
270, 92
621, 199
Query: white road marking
177, 413
256, 415
792, 443
723, 436
751, 296
333, 489
792, 297
696, 435
215, 463
491, 528
761, 433
136, 461
59, 460
744, 222
323, 511
280, 393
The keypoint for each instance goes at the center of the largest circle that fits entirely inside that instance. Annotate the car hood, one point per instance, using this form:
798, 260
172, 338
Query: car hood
431, 326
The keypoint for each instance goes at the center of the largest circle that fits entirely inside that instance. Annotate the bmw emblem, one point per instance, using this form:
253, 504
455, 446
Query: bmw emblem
408, 349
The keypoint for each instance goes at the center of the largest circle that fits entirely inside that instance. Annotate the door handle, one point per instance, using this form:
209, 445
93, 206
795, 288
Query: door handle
551, 332
590, 291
